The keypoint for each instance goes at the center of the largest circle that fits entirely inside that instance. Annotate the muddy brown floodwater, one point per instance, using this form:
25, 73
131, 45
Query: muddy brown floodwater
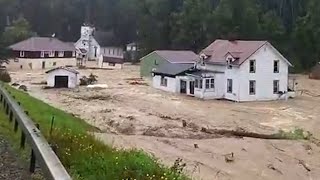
131, 114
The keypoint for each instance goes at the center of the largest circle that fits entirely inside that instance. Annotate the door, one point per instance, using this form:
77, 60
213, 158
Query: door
61, 81
192, 87
43, 65
183, 87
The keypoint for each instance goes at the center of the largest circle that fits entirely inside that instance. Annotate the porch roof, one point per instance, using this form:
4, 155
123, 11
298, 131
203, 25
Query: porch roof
173, 69
204, 73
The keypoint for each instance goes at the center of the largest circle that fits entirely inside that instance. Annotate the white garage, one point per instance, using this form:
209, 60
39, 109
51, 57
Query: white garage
62, 77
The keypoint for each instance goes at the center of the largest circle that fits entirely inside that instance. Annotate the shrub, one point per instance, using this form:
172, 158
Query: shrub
5, 76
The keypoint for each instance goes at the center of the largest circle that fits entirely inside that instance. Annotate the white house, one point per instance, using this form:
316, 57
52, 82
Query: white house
62, 77
239, 71
94, 45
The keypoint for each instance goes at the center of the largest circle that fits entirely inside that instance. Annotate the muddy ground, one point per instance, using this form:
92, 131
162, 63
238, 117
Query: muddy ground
131, 114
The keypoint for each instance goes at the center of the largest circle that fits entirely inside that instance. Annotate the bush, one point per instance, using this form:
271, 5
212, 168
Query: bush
5, 76
92, 79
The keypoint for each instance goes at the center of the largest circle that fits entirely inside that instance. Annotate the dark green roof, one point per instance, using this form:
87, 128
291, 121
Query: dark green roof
173, 69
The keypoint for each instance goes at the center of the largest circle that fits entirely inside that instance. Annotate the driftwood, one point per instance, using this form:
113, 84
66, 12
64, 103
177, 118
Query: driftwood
306, 166
270, 166
277, 148
242, 133
229, 157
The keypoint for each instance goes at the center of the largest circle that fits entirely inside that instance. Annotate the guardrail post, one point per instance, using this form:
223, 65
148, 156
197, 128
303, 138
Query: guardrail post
15, 129
33, 157
11, 116
23, 140
7, 109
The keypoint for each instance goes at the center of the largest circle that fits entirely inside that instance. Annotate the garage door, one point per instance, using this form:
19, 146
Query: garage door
61, 82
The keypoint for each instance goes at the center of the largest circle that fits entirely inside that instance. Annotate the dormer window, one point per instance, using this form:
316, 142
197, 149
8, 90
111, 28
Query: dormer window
229, 61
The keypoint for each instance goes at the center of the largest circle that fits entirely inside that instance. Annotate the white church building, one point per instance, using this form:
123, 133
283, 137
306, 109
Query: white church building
96, 49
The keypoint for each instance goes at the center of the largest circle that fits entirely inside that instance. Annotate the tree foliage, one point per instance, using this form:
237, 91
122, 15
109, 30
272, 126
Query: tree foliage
290, 25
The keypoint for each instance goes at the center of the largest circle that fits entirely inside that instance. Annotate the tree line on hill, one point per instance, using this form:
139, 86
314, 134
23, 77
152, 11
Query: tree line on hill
292, 26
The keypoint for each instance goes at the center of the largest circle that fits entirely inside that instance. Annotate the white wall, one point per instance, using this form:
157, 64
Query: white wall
73, 79
264, 75
233, 74
108, 66
172, 85
116, 52
216, 93
36, 64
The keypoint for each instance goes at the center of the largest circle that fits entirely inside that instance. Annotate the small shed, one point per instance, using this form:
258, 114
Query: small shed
62, 77
315, 72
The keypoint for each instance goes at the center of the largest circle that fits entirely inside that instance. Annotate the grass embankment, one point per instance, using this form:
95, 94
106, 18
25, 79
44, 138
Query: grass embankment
84, 156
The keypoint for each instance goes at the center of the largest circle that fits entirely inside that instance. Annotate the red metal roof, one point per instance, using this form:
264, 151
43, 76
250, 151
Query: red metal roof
241, 50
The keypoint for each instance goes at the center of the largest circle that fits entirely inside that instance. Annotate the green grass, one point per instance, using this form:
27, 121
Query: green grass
6, 130
83, 155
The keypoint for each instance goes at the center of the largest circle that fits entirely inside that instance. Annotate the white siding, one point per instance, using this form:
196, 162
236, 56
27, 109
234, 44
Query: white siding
173, 84
216, 93
73, 78
264, 76
236, 83
36, 64
116, 52
108, 66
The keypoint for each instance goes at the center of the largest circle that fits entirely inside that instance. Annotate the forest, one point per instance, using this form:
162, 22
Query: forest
292, 26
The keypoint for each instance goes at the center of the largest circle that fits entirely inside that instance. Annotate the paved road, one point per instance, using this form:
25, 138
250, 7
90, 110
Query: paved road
10, 167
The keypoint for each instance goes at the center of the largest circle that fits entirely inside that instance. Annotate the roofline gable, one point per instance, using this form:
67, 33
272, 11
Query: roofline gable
274, 49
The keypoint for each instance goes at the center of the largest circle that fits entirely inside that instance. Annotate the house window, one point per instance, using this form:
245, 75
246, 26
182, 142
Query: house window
275, 86
21, 53
51, 54
252, 68
276, 66
198, 83
112, 64
155, 62
109, 51
229, 86
212, 83
164, 81
60, 54
209, 83
252, 87
42, 54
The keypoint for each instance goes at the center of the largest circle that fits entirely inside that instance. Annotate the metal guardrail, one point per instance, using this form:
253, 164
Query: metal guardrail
41, 151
